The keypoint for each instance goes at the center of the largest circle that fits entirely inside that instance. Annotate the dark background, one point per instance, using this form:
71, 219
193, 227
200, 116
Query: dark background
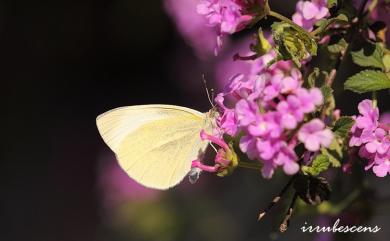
61, 64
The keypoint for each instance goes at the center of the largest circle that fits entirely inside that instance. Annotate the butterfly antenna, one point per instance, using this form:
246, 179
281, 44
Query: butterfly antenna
207, 91
212, 94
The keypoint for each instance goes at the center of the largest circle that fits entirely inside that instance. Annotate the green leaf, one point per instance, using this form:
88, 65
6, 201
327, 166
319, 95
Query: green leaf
334, 153
327, 93
311, 80
343, 126
332, 3
338, 47
261, 10
324, 23
320, 164
262, 45
293, 43
370, 56
334, 158
329, 101
341, 18
367, 80
336, 148
386, 62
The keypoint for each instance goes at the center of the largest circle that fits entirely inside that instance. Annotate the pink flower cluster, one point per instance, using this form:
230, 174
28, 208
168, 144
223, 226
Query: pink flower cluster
309, 12
269, 110
192, 26
372, 138
228, 16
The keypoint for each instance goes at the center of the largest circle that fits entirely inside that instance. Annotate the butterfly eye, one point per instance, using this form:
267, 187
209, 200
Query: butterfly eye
194, 174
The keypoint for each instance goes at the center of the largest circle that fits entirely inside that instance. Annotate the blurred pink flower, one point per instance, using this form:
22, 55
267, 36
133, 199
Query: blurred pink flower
314, 135
192, 26
117, 187
309, 12
373, 138
226, 66
385, 118
228, 16
380, 13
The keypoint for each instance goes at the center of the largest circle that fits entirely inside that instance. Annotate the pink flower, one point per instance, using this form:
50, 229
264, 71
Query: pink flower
226, 66
380, 144
116, 187
252, 69
309, 98
365, 124
191, 26
248, 146
265, 125
238, 87
228, 16
372, 138
268, 147
228, 121
309, 12
292, 82
385, 118
274, 87
220, 157
382, 169
369, 115
247, 112
268, 106
224, 161
288, 159
291, 112
314, 135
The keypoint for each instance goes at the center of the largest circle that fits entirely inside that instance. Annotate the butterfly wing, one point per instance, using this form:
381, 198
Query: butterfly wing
154, 144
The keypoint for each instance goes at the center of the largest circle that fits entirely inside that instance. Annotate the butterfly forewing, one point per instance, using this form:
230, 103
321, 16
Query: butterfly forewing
154, 144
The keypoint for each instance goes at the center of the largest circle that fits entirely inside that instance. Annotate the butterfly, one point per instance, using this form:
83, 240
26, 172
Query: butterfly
155, 144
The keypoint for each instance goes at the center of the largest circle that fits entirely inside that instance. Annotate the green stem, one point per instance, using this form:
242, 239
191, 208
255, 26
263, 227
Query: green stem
374, 99
316, 31
283, 18
347, 201
350, 38
336, 209
250, 165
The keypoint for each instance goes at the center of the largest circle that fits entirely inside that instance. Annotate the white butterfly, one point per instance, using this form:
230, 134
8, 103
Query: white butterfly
155, 144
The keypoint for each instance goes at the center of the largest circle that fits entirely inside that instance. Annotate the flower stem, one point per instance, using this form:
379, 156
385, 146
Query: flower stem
336, 209
277, 198
283, 18
286, 221
315, 31
350, 38
374, 99
250, 165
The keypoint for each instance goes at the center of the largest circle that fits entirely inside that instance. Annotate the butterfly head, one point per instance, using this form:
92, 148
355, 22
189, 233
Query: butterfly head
211, 119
